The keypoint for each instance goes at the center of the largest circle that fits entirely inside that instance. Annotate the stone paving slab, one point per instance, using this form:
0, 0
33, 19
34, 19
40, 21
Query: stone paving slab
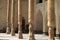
4, 36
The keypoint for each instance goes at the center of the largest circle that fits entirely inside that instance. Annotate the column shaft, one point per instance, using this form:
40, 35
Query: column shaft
8, 17
20, 19
57, 19
12, 19
51, 19
31, 19
45, 28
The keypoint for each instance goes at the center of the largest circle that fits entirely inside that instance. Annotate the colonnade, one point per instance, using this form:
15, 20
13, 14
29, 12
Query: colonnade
50, 18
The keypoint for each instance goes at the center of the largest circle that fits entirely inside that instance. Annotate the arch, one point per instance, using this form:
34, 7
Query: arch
39, 21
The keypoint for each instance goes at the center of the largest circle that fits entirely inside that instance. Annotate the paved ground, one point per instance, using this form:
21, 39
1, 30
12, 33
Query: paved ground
4, 36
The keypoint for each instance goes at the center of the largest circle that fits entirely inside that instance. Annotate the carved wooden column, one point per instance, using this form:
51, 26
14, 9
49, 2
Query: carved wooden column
31, 19
12, 18
51, 19
8, 17
20, 36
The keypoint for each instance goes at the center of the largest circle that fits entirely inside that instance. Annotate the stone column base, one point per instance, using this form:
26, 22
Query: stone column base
8, 30
31, 39
20, 36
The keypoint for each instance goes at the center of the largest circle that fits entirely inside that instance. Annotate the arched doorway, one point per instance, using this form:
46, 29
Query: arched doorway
39, 22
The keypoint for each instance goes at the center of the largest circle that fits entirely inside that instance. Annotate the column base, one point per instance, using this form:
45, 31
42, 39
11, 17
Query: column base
31, 36
20, 36
31, 39
8, 30
12, 33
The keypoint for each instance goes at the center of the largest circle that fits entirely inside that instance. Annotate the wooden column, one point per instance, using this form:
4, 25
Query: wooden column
31, 19
51, 19
8, 17
20, 36
12, 18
